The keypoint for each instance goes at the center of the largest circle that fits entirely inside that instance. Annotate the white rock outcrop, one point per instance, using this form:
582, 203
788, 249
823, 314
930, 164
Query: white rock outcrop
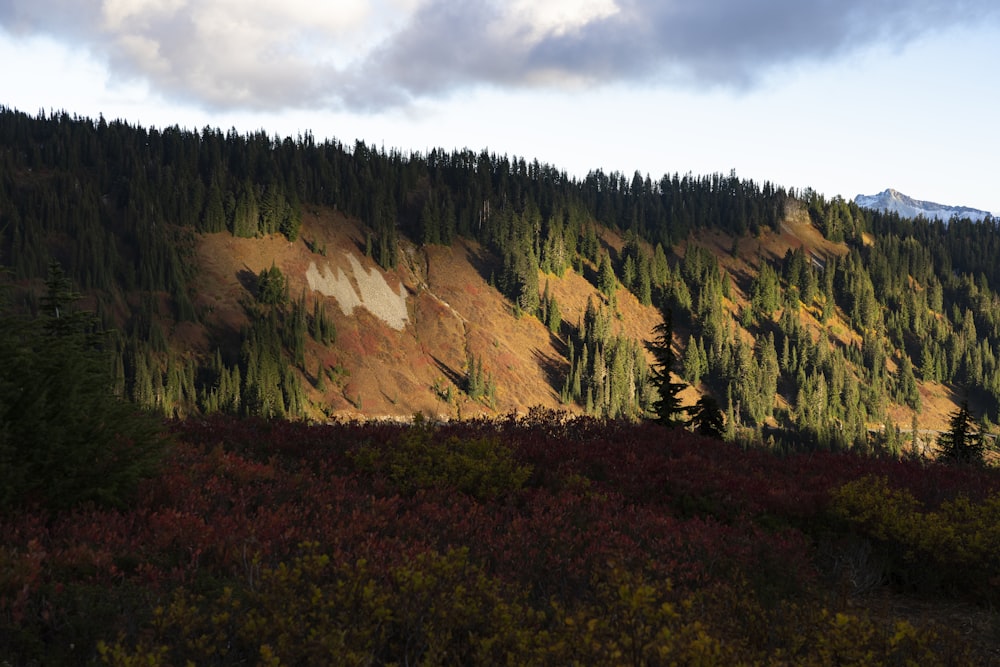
372, 293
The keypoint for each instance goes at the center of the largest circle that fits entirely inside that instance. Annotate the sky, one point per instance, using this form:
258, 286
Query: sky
844, 96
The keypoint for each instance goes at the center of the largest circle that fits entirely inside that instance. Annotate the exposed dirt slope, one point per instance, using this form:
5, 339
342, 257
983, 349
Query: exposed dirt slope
452, 314
405, 336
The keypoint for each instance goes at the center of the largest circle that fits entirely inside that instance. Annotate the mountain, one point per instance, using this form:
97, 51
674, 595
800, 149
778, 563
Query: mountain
891, 200
298, 279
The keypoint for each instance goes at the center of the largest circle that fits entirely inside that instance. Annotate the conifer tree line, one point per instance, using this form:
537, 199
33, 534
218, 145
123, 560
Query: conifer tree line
117, 206
608, 373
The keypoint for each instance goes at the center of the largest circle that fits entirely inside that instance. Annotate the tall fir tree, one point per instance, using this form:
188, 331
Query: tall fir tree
667, 406
962, 443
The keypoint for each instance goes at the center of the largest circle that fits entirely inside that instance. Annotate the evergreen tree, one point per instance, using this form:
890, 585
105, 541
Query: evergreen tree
915, 442
908, 390
430, 222
290, 222
660, 269
246, 216
706, 417
384, 238
765, 292
962, 443
667, 406
271, 286
320, 376
60, 316
213, 217
65, 438
606, 281
693, 368
644, 286
322, 328
629, 274
553, 316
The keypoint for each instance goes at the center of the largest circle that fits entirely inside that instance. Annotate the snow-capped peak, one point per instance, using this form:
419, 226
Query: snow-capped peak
908, 207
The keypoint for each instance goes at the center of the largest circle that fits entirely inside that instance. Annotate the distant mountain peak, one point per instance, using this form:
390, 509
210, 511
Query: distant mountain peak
893, 200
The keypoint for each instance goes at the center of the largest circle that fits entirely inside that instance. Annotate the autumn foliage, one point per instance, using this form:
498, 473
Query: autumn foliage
530, 540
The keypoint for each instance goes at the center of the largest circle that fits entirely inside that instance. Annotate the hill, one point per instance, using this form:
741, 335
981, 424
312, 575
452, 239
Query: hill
392, 366
290, 278
405, 337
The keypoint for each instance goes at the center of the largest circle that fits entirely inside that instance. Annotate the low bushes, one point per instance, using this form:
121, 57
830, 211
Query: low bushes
530, 541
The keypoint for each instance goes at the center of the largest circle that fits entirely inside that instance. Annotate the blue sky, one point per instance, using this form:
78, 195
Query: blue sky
847, 97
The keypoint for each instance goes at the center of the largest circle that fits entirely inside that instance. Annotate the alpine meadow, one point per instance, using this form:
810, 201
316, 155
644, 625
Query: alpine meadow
272, 400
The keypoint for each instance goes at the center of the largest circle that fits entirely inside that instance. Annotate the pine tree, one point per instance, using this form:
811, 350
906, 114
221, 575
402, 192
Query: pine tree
915, 443
692, 362
667, 406
322, 328
707, 418
661, 269
320, 376
65, 438
962, 443
644, 288
246, 216
553, 316
272, 288
908, 389
213, 217
60, 316
606, 281
629, 272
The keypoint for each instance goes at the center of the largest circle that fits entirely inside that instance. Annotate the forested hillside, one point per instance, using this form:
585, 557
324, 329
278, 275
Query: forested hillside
810, 320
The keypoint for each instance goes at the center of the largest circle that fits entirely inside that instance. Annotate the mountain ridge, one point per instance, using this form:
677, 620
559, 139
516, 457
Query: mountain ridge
894, 201
320, 281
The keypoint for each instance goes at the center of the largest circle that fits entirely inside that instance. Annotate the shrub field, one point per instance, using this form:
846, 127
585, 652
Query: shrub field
535, 540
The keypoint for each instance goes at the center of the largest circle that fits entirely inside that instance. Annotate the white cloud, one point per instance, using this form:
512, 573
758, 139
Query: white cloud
121, 15
376, 54
145, 52
557, 17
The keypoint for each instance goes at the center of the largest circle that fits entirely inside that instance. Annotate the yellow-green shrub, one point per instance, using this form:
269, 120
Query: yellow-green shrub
436, 610
956, 545
480, 467
441, 609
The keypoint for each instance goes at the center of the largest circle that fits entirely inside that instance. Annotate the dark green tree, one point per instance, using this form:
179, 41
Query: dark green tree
909, 392
962, 443
60, 317
692, 363
667, 405
606, 281
644, 285
706, 417
765, 292
322, 328
553, 318
65, 438
272, 288
213, 217
246, 216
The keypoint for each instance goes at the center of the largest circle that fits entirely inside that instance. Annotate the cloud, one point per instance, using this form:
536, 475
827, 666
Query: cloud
377, 54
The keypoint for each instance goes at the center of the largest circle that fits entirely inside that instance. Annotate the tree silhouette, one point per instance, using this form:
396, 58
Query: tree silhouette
667, 406
962, 443
706, 417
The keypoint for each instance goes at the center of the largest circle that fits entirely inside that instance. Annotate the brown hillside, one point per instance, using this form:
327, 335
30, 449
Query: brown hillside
451, 310
405, 337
